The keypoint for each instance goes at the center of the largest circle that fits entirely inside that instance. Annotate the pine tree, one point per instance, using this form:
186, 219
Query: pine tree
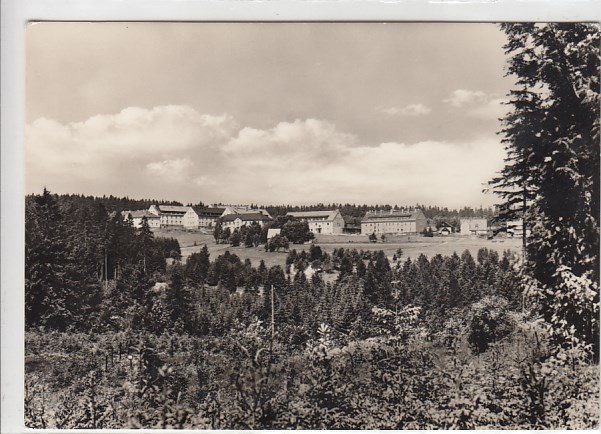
145, 242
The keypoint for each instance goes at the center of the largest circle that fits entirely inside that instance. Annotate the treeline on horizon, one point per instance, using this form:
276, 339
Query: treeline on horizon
351, 212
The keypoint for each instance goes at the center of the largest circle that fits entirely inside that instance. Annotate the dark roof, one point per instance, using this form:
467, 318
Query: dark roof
327, 214
173, 209
208, 212
245, 217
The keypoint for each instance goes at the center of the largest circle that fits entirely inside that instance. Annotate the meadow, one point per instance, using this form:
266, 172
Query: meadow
411, 245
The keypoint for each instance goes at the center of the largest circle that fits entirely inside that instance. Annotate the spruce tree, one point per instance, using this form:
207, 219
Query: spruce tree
553, 135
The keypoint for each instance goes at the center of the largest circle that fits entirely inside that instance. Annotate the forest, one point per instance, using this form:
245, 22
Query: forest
118, 337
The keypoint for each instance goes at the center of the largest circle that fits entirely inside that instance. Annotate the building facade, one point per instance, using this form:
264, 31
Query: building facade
236, 221
153, 220
321, 222
445, 229
474, 226
207, 217
202, 217
170, 215
394, 222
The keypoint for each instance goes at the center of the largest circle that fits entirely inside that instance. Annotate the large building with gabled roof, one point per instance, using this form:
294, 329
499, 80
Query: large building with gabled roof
170, 215
202, 217
321, 222
410, 221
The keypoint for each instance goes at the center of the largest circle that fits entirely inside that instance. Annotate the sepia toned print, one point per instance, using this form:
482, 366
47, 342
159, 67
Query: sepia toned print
312, 226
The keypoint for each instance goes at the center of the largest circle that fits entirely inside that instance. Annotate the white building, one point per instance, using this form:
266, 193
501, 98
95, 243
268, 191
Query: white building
474, 226
202, 217
321, 222
170, 215
236, 221
393, 222
273, 232
153, 220
445, 229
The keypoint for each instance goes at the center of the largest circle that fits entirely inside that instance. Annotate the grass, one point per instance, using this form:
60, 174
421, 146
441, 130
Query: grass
412, 245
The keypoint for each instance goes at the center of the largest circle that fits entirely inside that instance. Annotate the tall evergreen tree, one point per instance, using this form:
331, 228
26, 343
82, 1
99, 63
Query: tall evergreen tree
45, 259
553, 133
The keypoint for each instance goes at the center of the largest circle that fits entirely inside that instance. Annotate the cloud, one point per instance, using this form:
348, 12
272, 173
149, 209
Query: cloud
174, 152
132, 132
464, 97
446, 173
390, 111
478, 104
494, 108
416, 110
204, 180
121, 151
171, 170
309, 141
409, 110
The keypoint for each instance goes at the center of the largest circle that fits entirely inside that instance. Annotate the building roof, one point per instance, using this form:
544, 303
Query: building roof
251, 217
245, 209
140, 214
392, 215
327, 214
173, 208
207, 211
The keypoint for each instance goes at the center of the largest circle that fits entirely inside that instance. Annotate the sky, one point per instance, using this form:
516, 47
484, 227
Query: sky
280, 113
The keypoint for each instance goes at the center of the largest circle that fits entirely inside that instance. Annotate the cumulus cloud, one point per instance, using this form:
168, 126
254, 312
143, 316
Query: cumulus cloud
416, 110
174, 152
478, 104
494, 108
464, 97
131, 132
174, 170
409, 110
304, 141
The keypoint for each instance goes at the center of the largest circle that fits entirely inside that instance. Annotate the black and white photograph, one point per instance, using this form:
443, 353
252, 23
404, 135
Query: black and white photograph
311, 225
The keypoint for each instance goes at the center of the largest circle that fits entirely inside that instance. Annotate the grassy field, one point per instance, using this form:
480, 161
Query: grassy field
412, 245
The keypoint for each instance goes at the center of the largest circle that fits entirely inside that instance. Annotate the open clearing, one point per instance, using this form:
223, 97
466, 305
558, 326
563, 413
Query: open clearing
412, 245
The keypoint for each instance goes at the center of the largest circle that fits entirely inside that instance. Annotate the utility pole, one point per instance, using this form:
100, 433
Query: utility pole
524, 224
106, 270
395, 295
272, 315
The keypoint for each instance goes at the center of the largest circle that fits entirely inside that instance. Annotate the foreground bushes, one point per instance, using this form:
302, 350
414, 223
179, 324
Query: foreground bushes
246, 380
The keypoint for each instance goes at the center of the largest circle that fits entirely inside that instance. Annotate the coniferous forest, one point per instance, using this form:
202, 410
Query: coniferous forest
118, 337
